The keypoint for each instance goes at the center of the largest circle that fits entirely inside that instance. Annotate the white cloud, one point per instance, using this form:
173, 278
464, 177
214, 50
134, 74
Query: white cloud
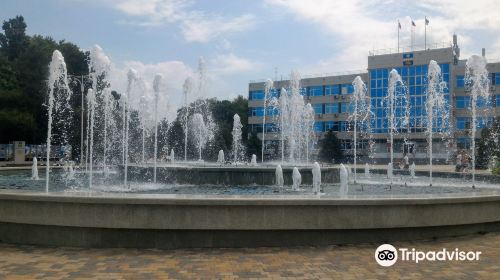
230, 64
173, 72
360, 26
195, 25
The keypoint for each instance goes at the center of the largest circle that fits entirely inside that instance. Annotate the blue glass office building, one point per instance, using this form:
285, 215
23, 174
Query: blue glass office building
330, 97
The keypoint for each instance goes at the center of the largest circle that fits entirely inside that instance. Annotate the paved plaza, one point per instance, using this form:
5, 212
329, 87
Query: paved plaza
332, 262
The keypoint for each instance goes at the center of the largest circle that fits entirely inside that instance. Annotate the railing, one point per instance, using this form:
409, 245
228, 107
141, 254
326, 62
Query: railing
320, 75
493, 60
413, 48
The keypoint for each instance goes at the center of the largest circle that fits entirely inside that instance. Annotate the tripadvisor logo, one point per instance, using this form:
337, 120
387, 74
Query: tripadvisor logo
387, 255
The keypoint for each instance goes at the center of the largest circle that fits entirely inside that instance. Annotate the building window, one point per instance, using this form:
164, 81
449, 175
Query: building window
498, 100
347, 89
332, 89
257, 112
315, 91
462, 102
344, 107
331, 108
463, 123
497, 78
460, 81
319, 127
333, 126
318, 108
464, 143
256, 95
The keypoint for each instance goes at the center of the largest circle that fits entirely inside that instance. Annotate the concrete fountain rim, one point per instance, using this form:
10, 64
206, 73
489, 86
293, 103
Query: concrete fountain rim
243, 200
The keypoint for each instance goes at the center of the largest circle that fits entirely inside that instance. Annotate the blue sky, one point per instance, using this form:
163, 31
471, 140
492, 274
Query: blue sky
244, 40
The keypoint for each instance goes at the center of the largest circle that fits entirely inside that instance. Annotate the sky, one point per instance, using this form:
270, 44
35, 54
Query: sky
253, 39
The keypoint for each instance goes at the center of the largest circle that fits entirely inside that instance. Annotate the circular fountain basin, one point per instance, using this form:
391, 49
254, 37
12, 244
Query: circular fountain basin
181, 221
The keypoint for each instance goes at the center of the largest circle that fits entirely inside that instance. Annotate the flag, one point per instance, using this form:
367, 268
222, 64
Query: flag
399, 24
413, 23
426, 21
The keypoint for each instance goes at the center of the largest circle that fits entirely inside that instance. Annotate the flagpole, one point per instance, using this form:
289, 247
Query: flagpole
399, 27
425, 34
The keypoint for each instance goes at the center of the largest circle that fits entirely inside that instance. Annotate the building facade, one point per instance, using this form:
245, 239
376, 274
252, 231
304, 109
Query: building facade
331, 98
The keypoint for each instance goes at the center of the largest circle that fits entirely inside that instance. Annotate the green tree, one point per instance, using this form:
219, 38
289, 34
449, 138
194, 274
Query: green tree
14, 40
330, 148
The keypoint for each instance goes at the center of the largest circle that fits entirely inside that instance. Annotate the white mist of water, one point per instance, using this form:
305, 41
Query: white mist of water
296, 179
296, 121
316, 172
344, 181
187, 91
200, 132
99, 67
367, 170
91, 110
398, 111
279, 181
237, 136
360, 115
267, 89
390, 174
156, 87
172, 156
476, 78
57, 105
412, 170
34, 169
131, 79
436, 108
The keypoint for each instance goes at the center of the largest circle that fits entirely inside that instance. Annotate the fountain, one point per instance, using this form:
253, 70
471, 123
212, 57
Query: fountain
34, 169
344, 181
296, 121
253, 161
390, 174
436, 108
99, 67
283, 108
91, 111
187, 89
237, 149
398, 112
131, 79
188, 187
476, 78
58, 106
156, 87
200, 132
172, 156
279, 181
316, 172
360, 114
267, 89
296, 179
220, 157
